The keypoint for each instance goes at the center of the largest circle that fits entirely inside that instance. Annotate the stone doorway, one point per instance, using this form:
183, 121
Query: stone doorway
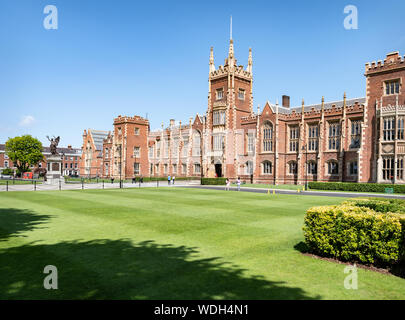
218, 170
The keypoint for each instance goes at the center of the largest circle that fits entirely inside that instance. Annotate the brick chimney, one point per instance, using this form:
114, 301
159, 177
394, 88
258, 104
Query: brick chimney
286, 101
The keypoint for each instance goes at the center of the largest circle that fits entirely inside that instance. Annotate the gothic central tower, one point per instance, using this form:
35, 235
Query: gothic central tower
229, 100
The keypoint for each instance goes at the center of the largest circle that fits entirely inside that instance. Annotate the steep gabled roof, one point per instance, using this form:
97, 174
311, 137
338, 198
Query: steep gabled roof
98, 137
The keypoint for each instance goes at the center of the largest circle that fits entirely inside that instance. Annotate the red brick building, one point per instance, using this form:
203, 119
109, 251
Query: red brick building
356, 139
70, 159
92, 153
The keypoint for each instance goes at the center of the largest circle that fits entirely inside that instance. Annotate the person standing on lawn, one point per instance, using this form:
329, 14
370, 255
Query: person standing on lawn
238, 183
228, 183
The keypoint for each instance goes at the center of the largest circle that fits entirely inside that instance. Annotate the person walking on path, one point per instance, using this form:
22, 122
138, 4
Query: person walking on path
238, 183
228, 183
168, 180
173, 179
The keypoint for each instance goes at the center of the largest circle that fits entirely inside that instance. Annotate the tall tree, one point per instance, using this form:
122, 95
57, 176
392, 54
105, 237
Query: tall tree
24, 151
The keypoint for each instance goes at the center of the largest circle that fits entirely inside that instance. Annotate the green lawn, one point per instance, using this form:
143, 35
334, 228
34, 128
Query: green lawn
169, 243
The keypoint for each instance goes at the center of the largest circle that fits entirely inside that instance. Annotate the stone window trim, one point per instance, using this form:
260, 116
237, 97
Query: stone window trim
289, 168
293, 134
267, 137
197, 168
218, 117
249, 167
250, 142
388, 165
329, 169
357, 135
137, 168
267, 167
401, 128
392, 87
313, 165
400, 168
389, 129
151, 152
219, 93
241, 94
137, 152
312, 137
334, 132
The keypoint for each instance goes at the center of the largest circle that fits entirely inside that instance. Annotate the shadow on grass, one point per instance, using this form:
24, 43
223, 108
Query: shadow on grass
118, 269
14, 222
397, 269
301, 247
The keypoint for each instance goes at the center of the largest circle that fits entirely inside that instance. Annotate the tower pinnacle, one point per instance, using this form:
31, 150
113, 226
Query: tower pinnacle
250, 61
212, 65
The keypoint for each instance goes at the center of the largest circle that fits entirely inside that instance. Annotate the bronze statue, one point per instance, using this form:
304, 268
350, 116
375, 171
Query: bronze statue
54, 144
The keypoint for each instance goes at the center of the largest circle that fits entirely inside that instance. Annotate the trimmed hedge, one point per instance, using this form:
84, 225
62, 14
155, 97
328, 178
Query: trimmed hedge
213, 181
8, 172
356, 233
379, 205
148, 179
353, 186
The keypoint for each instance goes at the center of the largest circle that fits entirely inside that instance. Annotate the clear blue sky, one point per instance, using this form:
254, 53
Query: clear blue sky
128, 57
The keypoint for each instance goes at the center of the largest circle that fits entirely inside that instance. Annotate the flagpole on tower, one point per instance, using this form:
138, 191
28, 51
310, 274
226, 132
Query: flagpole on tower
231, 28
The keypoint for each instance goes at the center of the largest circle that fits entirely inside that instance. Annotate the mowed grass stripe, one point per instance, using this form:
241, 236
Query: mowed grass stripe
244, 250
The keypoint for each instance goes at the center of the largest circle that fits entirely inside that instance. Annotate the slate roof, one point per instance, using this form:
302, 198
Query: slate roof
98, 137
328, 105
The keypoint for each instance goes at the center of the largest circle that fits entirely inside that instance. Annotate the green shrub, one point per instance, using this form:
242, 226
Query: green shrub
355, 233
8, 172
379, 205
213, 181
359, 187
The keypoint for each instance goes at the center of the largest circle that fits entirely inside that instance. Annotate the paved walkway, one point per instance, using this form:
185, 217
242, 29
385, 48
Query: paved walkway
305, 193
187, 184
100, 185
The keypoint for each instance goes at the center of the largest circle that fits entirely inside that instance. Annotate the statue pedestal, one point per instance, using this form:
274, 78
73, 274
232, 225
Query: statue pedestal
54, 169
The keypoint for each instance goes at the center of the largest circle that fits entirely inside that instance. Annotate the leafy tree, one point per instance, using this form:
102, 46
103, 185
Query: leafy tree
24, 151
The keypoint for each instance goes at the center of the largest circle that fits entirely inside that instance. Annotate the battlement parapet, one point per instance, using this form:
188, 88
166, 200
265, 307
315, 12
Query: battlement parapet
135, 119
392, 61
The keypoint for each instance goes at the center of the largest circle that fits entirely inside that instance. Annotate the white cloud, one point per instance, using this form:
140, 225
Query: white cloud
26, 121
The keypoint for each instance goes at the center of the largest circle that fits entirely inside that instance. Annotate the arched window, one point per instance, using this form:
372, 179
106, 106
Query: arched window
249, 167
312, 167
197, 168
333, 167
292, 167
267, 136
196, 143
267, 167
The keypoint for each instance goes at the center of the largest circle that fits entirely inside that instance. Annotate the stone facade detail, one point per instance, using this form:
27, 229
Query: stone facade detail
330, 141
